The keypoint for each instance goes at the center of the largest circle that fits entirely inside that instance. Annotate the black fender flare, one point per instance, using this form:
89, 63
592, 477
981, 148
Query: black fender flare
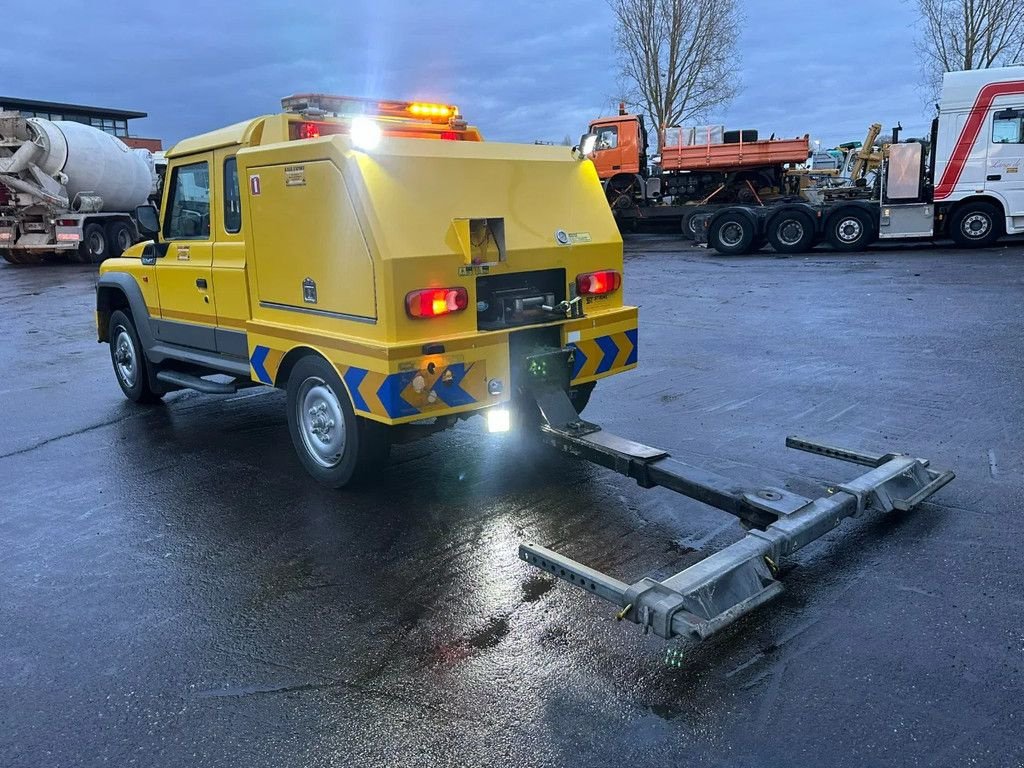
125, 284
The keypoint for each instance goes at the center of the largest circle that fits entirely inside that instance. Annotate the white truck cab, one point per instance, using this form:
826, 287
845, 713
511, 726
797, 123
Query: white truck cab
979, 153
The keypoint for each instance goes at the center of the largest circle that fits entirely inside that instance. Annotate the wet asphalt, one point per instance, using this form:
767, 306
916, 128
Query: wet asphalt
175, 591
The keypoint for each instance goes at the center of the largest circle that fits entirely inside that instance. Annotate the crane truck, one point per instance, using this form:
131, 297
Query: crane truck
68, 188
696, 170
965, 182
326, 251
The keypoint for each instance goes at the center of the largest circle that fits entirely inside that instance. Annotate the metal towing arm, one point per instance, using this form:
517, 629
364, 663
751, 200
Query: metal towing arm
711, 594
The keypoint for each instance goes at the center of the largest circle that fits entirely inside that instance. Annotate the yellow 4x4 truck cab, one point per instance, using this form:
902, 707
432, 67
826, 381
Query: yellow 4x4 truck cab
377, 260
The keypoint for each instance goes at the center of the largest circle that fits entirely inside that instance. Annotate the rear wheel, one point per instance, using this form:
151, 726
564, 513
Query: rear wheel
791, 232
119, 238
850, 230
129, 359
8, 255
94, 247
975, 225
334, 445
732, 234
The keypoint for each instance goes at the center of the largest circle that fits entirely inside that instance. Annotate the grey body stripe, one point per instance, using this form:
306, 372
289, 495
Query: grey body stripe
320, 312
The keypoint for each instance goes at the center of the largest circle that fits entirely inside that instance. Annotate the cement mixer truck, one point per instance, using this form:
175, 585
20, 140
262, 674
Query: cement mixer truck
68, 188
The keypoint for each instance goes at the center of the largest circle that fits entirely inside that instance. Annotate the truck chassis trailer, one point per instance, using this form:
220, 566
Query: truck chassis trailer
966, 182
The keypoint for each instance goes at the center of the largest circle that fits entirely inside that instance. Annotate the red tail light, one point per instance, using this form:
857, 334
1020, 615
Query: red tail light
434, 302
307, 131
598, 283
451, 135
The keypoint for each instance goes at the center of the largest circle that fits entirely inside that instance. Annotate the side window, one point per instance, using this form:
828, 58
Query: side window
232, 198
1006, 127
607, 137
189, 202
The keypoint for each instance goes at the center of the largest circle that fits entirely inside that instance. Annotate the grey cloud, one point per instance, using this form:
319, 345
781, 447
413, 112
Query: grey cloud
520, 70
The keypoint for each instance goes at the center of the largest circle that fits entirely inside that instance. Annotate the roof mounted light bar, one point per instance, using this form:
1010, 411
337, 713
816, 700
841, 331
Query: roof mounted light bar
325, 104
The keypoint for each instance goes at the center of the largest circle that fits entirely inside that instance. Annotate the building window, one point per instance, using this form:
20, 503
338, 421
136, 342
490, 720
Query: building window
120, 128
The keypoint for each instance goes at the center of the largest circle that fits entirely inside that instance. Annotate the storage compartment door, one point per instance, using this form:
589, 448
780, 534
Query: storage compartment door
309, 250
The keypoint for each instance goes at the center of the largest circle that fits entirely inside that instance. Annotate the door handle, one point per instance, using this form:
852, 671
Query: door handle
616, 167
201, 283
994, 176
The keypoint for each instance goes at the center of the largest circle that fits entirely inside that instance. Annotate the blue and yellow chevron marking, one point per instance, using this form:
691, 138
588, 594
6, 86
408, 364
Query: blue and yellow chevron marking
604, 354
265, 362
395, 395
418, 392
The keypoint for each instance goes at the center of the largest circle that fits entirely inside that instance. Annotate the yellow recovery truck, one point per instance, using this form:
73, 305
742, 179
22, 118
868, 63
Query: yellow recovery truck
394, 274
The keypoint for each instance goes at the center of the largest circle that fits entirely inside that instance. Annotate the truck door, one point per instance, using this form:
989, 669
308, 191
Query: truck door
188, 315
1005, 169
607, 152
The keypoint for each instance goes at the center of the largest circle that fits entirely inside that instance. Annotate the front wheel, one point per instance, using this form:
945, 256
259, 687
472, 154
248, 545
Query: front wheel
334, 445
129, 360
975, 225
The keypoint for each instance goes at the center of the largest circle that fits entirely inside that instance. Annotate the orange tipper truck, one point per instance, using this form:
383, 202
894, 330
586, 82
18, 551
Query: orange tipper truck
378, 261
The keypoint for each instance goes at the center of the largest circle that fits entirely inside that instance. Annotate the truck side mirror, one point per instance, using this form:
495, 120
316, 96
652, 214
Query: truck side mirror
147, 219
588, 141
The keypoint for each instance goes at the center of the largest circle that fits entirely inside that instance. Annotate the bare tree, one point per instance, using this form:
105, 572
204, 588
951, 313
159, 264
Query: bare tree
678, 58
968, 34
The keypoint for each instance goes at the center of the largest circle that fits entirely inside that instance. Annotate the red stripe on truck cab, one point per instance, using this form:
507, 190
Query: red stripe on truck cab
969, 135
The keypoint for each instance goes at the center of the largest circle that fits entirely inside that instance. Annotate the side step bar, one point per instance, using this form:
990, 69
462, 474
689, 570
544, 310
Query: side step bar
188, 381
711, 594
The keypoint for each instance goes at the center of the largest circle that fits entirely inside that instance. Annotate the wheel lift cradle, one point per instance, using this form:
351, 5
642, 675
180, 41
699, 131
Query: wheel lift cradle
711, 594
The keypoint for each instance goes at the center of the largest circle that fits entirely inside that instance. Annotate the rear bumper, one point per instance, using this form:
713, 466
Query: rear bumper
397, 384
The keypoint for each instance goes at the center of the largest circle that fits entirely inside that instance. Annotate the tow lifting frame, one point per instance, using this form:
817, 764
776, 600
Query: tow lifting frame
711, 594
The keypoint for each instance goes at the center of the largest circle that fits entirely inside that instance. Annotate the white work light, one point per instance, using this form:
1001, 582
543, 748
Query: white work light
499, 420
365, 133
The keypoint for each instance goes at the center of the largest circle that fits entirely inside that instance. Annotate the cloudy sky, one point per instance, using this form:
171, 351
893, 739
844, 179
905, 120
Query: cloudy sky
520, 69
